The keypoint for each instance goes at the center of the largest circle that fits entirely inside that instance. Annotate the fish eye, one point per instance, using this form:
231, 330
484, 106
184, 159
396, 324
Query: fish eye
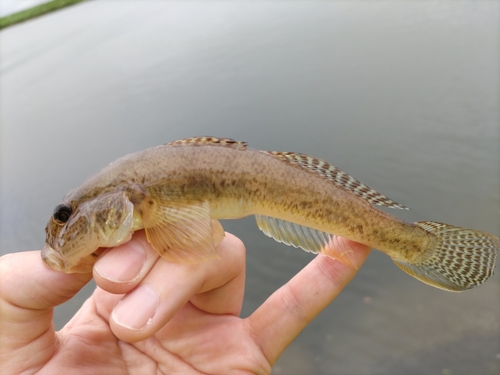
62, 213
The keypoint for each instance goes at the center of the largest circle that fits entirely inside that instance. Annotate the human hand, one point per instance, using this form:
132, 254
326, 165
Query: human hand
173, 319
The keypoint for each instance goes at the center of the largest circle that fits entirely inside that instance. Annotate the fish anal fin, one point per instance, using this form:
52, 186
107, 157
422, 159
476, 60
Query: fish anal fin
209, 141
336, 176
306, 238
341, 251
183, 233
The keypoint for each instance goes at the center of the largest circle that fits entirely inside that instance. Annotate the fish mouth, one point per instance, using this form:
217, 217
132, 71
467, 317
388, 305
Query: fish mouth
52, 259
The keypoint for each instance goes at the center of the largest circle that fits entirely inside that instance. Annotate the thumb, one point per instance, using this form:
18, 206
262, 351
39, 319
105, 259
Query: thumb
29, 290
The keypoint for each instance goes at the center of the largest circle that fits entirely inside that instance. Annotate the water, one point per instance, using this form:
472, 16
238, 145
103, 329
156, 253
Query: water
403, 96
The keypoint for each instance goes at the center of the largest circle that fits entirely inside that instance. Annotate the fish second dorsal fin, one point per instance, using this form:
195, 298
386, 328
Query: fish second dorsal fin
209, 141
337, 176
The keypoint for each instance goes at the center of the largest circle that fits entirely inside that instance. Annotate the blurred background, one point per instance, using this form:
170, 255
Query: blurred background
9, 7
404, 96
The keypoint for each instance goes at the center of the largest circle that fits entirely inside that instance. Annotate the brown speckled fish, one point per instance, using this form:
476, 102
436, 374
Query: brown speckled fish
177, 191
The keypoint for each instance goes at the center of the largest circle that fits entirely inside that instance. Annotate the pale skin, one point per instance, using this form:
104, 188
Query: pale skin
173, 318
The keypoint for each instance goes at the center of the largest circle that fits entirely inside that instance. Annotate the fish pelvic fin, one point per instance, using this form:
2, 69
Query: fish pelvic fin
336, 176
183, 234
458, 259
308, 239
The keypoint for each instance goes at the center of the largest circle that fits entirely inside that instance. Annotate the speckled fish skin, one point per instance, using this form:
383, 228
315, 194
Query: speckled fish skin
177, 191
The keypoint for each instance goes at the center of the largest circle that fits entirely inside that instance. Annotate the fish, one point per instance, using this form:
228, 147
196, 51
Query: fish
178, 192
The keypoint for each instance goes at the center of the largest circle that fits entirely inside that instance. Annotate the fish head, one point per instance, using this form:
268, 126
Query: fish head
77, 229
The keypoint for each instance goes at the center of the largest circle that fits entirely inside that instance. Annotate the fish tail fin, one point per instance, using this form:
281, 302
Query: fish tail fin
456, 259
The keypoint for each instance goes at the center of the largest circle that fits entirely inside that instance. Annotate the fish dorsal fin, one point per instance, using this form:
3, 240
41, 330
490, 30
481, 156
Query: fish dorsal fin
210, 141
308, 239
337, 176
181, 233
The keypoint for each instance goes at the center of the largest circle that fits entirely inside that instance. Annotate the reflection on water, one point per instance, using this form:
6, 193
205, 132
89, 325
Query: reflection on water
403, 96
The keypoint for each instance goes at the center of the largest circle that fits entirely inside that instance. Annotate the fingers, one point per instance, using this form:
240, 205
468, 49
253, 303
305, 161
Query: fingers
28, 292
158, 289
292, 307
224, 285
121, 269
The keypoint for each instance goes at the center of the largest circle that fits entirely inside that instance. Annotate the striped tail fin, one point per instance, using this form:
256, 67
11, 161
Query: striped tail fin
458, 259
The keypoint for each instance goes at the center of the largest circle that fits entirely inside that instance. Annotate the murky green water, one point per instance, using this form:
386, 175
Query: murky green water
403, 96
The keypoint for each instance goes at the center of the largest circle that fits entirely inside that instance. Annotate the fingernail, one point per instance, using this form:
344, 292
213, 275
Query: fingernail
136, 309
122, 265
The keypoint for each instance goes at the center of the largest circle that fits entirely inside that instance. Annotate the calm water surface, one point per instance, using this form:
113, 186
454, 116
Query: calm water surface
403, 96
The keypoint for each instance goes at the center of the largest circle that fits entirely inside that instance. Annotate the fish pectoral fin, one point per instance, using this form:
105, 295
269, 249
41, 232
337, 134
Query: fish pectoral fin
183, 234
218, 233
308, 239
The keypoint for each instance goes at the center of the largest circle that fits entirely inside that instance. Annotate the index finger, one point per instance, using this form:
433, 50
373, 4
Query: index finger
29, 290
215, 286
291, 308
